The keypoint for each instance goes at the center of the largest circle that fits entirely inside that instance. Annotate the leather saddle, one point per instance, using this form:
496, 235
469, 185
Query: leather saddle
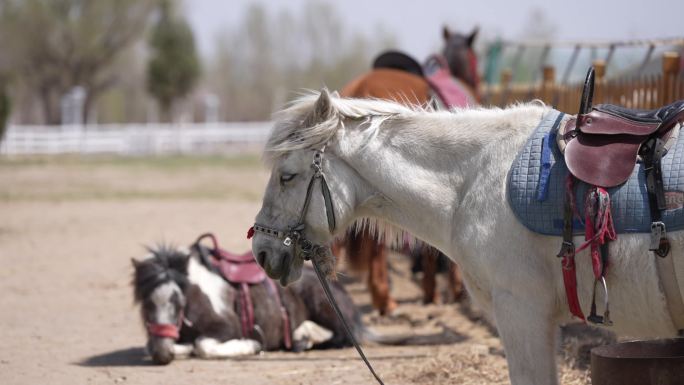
234, 268
242, 271
602, 146
603, 143
399, 61
450, 91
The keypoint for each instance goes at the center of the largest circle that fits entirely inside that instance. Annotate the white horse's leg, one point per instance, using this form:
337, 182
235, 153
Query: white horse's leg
528, 331
206, 347
182, 350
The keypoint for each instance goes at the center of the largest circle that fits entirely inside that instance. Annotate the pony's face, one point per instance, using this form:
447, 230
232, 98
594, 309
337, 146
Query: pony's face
162, 314
162, 302
458, 51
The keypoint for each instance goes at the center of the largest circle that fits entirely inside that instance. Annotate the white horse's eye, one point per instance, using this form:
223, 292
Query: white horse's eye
285, 177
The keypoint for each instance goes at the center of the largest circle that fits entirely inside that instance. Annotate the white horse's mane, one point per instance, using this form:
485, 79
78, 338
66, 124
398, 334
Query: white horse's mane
296, 129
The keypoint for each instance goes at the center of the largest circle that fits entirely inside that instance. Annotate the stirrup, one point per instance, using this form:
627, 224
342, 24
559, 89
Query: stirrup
659, 243
605, 318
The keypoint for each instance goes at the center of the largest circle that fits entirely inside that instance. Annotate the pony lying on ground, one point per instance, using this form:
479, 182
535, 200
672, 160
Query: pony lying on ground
443, 177
189, 309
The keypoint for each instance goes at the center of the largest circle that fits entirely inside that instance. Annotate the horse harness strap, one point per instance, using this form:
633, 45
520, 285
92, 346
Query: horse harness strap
240, 271
168, 330
302, 247
603, 155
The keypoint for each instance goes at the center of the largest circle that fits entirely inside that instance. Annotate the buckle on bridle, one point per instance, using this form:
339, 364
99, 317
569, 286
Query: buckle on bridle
567, 249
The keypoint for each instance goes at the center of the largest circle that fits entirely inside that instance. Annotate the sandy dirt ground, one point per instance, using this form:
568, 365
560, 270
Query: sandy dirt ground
69, 227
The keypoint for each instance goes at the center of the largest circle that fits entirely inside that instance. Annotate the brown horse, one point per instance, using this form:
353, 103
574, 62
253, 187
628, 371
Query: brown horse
398, 77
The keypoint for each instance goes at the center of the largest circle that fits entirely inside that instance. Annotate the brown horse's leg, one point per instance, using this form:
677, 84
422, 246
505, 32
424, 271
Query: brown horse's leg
378, 275
336, 250
429, 255
456, 282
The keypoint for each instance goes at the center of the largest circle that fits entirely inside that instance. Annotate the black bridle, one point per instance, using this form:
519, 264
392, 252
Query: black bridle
292, 237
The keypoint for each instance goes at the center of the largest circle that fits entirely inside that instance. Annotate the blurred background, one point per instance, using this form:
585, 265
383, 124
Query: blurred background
125, 123
148, 61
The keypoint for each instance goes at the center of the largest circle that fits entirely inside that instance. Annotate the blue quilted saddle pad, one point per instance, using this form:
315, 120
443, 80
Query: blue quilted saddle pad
536, 187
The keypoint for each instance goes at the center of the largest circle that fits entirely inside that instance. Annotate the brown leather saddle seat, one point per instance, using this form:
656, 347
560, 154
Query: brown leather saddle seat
603, 144
240, 268
234, 268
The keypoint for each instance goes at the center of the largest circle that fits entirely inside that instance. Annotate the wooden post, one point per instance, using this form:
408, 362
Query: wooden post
600, 71
547, 86
506, 77
671, 68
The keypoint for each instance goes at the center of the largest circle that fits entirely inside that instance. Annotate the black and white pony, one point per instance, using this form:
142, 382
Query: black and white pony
188, 309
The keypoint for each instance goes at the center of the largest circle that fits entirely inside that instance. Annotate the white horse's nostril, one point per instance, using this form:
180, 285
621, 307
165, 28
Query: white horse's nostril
261, 258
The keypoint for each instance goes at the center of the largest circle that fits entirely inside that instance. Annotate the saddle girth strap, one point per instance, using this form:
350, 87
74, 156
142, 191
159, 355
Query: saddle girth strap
246, 310
652, 153
285, 316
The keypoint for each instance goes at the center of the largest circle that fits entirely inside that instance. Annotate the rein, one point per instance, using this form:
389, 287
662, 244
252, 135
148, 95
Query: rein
309, 251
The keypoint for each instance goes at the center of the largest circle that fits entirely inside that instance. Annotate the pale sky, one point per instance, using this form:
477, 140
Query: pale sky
417, 24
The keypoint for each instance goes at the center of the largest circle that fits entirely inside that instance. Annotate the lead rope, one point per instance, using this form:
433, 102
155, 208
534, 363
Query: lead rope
293, 238
326, 288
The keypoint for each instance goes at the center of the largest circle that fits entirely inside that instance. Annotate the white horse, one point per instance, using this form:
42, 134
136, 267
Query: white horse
442, 176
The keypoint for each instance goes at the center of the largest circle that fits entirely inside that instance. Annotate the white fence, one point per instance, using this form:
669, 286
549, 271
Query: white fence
135, 139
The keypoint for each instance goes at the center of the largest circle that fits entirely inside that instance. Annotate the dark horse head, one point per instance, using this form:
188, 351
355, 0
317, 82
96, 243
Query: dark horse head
459, 53
160, 283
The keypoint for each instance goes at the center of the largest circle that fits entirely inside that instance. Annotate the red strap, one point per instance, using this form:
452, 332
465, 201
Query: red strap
599, 227
164, 330
570, 283
568, 261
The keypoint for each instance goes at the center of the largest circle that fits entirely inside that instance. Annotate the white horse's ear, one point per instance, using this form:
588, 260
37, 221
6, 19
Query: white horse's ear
323, 107
446, 34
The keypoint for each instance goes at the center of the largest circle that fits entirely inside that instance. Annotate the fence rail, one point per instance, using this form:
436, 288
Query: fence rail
644, 92
135, 139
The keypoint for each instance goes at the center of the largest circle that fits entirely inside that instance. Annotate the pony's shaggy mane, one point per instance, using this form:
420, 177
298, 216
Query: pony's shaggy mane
166, 263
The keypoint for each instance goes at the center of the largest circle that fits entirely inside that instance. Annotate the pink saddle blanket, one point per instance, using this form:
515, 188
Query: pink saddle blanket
451, 91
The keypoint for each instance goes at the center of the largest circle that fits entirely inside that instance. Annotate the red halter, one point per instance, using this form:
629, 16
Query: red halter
166, 330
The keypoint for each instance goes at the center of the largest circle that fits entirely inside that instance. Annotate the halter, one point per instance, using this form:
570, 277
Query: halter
166, 330
292, 237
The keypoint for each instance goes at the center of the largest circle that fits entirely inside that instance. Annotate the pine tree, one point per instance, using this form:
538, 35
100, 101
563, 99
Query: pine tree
173, 68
